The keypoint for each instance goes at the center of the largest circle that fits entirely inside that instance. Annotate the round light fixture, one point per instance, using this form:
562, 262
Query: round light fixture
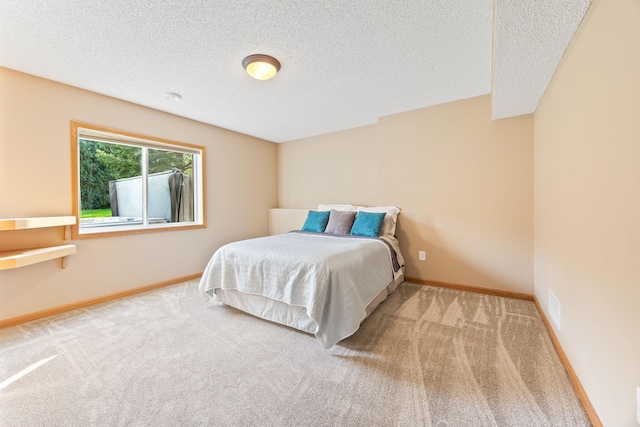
261, 67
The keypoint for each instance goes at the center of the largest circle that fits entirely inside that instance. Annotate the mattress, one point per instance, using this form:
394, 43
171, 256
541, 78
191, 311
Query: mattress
318, 283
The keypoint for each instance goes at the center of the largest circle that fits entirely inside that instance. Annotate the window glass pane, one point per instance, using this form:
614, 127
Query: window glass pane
171, 190
128, 183
110, 185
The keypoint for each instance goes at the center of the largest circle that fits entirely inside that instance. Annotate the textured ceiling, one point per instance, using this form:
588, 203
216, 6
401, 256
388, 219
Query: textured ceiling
344, 63
531, 37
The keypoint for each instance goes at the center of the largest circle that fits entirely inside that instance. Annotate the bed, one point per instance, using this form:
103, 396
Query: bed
322, 283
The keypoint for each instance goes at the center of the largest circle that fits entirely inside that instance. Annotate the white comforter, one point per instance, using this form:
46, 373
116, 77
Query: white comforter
333, 278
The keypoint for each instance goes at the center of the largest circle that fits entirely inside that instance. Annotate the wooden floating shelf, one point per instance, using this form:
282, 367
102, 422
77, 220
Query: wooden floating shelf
42, 222
24, 257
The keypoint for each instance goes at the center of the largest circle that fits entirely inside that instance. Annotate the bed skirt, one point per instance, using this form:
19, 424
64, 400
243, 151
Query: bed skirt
290, 315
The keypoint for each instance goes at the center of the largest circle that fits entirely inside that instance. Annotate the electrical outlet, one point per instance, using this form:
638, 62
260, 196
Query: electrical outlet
554, 309
422, 255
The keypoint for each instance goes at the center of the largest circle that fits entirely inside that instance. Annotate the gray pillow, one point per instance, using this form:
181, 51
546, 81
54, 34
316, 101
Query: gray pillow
340, 222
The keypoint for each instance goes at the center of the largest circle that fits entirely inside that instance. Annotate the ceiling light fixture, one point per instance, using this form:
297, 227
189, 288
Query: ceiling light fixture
261, 67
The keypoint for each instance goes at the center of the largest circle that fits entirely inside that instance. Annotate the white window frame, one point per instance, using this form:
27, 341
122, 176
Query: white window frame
101, 134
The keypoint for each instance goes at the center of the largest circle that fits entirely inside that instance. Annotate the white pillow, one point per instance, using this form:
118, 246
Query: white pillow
337, 207
390, 219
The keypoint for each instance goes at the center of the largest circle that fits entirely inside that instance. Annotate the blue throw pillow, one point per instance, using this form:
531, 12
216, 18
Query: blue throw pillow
368, 224
316, 221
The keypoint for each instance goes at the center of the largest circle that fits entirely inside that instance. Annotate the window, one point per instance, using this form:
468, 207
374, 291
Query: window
127, 183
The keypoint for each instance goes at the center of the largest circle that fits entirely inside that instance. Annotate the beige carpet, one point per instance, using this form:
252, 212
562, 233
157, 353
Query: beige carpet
426, 357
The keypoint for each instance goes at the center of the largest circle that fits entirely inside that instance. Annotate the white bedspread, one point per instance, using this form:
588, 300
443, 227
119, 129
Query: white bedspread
333, 278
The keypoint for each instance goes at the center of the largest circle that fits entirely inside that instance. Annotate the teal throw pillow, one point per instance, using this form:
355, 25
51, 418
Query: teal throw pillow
316, 221
368, 224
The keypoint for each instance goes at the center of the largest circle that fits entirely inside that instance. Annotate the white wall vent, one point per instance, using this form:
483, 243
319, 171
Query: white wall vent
554, 310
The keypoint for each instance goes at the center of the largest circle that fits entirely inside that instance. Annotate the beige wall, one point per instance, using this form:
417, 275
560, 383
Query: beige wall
464, 184
587, 205
35, 180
